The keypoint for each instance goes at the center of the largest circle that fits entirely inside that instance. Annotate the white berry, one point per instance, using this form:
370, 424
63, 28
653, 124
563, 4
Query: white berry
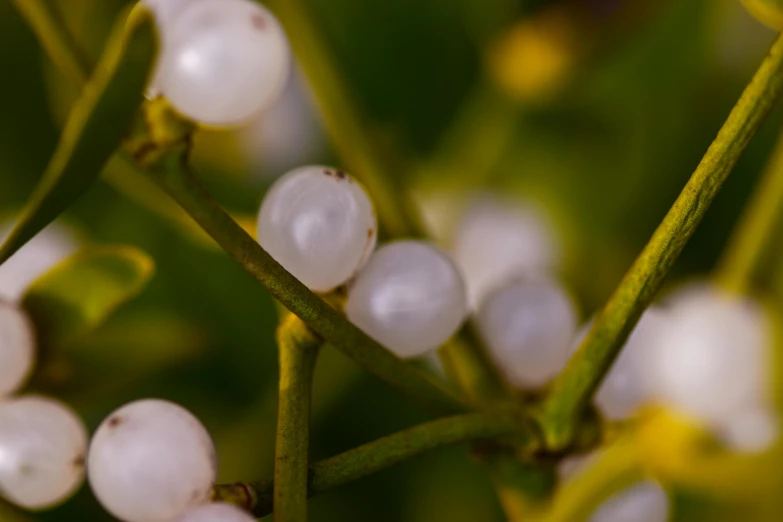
319, 224
710, 360
17, 348
528, 327
42, 449
150, 461
53, 244
217, 512
643, 502
497, 241
410, 298
627, 386
223, 61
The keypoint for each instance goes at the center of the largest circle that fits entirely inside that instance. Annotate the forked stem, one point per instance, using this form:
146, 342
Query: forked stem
381, 454
575, 386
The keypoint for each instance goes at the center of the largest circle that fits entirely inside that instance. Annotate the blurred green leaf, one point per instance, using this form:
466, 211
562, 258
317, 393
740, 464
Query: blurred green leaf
95, 128
80, 293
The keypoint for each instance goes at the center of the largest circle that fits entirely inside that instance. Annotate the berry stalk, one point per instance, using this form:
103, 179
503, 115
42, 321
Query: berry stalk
382, 454
584, 372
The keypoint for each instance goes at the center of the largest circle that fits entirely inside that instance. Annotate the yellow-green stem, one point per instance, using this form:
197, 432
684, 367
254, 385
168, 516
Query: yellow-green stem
748, 243
385, 453
298, 350
575, 386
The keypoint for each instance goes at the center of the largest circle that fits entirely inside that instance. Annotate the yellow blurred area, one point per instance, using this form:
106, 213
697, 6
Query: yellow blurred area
534, 58
769, 12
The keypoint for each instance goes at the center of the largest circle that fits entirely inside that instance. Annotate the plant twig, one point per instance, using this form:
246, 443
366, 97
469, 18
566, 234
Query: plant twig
576, 384
182, 185
382, 454
748, 243
298, 348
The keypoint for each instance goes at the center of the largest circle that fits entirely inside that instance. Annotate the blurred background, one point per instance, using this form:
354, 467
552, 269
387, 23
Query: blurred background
613, 107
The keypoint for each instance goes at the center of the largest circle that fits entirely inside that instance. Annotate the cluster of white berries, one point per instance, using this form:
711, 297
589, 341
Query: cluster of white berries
222, 61
153, 461
319, 223
42, 441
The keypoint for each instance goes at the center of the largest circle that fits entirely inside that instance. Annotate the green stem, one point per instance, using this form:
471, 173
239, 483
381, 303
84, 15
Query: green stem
382, 454
343, 119
576, 384
748, 243
56, 40
181, 184
298, 352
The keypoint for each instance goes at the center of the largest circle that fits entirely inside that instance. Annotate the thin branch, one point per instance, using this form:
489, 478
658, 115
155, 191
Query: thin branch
298, 348
750, 240
182, 185
575, 386
381, 454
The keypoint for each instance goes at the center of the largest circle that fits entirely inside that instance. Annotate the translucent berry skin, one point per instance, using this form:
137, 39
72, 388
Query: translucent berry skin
710, 360
410, 298
49, 247
223, 61
42, 449
497, 241
319, 224
17, 348
150, 461
217, 512
644, 502
528, 327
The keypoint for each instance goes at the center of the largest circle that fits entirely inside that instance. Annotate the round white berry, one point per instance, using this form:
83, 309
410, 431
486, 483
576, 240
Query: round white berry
17, 348
627, 386
42, 449
319, 224
223, 61
410, 298
49, 247
644, 502
710, 359
150, 461
217, 512
528, 327
496, 241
